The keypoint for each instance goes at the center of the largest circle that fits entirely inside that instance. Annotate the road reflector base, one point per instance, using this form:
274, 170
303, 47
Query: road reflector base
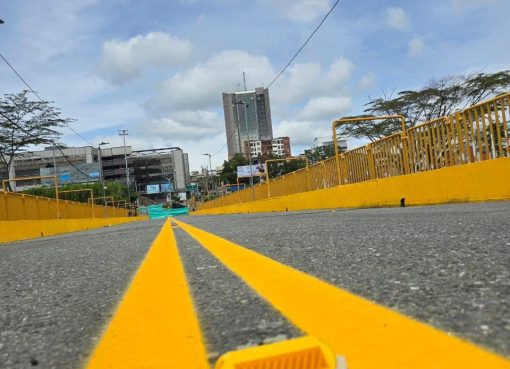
300, 353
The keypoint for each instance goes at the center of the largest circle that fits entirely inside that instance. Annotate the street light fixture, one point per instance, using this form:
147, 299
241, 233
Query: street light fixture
249, 143
124, 133
101, 177
210, 173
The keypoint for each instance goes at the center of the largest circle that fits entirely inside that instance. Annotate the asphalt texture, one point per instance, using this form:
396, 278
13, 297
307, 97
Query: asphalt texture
231, 314
448, 265
58, 293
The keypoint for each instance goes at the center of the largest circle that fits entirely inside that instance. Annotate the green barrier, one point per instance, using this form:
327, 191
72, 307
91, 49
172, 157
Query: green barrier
159, 212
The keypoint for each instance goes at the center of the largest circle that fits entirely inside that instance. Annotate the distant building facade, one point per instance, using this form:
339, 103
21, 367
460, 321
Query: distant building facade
255, 125
279, 147
153, 172
163, 170
69, 164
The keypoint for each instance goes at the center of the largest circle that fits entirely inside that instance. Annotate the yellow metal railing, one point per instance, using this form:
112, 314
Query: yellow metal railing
17, 206
480, 132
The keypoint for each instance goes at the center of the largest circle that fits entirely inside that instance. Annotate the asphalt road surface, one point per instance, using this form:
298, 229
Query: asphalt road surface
448, 266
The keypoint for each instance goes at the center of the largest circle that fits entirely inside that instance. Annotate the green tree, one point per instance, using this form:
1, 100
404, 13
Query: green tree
115, 189
24, 123
320, 153
277, 169
229, 172
438, 98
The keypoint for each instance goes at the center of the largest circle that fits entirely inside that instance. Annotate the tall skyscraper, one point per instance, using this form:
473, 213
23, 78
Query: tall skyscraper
255, 125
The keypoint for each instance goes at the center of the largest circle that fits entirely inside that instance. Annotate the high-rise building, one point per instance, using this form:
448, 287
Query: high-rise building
278, 147
255, 125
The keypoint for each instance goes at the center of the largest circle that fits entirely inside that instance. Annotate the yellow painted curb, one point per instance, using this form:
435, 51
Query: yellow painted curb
481, 181
16, 230
367, 335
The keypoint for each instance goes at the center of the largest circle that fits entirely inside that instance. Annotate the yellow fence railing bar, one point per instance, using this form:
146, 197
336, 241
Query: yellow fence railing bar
17, 206
477, 133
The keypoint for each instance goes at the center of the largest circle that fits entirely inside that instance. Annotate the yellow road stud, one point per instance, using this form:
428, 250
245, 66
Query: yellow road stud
300, 353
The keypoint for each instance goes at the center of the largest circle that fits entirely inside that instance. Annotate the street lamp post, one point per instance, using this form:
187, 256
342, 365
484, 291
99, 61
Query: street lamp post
249, 142
101, 176
210, 173
124, 133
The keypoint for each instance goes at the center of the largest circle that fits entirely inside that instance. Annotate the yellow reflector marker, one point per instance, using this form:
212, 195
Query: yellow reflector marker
366, 334
302, 353
155, 325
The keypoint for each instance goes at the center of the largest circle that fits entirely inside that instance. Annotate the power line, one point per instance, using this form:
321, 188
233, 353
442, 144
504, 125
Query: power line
287, 65
304, 44
37, 95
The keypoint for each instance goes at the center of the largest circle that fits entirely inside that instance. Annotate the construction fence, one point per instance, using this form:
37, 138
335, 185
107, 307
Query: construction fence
478, 133
16, 206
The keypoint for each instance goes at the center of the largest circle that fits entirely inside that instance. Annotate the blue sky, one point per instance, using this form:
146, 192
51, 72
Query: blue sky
158, 67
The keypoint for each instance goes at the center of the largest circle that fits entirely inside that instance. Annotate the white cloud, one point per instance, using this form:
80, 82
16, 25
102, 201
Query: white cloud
306, 10
302, 132
307, 80
415, 47
366, 82
325, 108
183, 125
397, 18
123, 61
200, 87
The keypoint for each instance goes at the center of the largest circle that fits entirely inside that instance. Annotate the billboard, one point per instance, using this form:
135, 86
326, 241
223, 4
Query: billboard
153, 188
67, 174
167, 187
256, 170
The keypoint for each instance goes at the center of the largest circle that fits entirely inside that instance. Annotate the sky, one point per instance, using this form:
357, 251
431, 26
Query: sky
158, 67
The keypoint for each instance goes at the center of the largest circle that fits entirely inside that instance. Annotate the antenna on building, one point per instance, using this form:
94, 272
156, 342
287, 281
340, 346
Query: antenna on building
238, 87
244, 80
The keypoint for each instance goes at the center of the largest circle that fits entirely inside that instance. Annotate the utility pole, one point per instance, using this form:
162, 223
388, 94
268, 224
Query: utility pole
101, 176
238, 125
54, 162
249, 143
210, 173
124, 133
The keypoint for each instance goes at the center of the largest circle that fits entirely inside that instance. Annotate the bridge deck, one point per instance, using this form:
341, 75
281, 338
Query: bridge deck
446, 266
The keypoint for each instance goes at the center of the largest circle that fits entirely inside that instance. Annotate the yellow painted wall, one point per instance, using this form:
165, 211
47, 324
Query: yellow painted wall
16, 230
481, 181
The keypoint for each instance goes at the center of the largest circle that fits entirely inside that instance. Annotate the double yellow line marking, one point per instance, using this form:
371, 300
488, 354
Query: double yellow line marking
366, 334
155, 325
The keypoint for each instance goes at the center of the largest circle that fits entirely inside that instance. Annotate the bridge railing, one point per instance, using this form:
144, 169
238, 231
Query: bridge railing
16, 206
477, 133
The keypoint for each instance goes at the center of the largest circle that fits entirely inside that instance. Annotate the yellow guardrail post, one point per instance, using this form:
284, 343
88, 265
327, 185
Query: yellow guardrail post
371, 162
90, 198
280, 160
55, 181
405, 151
340, 122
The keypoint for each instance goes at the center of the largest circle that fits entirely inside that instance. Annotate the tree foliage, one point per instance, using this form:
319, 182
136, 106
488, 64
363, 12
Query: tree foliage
320, 153
438, 98
229, 172
115, 189
25, 123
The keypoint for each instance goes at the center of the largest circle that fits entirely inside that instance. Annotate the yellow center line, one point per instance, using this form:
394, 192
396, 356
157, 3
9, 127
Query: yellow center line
155, 325
366, 334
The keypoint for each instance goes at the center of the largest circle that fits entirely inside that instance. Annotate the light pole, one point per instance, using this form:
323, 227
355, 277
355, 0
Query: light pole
210, 173
101, 177
249, 142
124, 133
236, 103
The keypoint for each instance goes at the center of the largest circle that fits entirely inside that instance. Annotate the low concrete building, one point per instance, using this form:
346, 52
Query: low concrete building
279, 147
69, 164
